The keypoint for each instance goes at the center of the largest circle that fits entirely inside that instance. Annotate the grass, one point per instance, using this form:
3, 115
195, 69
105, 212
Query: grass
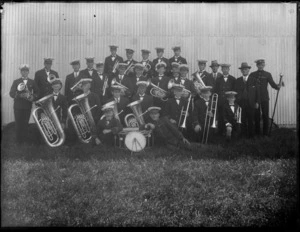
246, 183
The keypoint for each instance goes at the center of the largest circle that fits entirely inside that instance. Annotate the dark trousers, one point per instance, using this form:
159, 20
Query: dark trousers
263, 110
247, 127
220, 117
22, 119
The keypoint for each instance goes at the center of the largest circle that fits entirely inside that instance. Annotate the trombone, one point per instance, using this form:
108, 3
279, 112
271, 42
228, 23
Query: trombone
105, 84
115, 66
213, 108
239, 115
185, 113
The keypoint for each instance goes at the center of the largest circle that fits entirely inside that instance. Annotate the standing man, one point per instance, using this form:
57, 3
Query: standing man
247, 99
71, 81
42, 78
206, 78
130, 60
264, 78
103, 80
159, 59
111, 60
147, 64
223, 84
177, 58
137, 76
92, 74
214, 74
24, 91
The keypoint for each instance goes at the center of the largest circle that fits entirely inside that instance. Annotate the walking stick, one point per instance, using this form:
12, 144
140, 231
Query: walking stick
280, 81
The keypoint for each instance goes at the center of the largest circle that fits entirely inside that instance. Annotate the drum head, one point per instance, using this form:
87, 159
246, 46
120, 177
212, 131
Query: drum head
135, 141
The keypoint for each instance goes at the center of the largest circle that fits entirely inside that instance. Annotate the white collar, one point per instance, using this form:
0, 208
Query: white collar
141, 95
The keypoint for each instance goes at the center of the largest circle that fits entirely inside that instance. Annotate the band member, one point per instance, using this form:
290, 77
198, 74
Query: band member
264, 78
223, 84
130, 60
121, 101
214, 74
231, 116
161, 81
200, 111
71, 81
108, 127
148, 71
188, 84
248, 98
159, 59
206, 78
42, 80
23, 99
91, 73
124, 80
102, 79
165, 133
175, 105
175, 72
177, 58
60, 103
111, 60
147, 100
93, 99
137, 76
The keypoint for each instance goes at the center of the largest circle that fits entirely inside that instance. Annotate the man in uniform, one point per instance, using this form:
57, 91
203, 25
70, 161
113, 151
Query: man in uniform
214, 74
103, 78
177, 58
42, 79
148, 71
137, 76
248, 98
111, 60
23, 102
159, 59
130, 60
264, 78
206, 78
71, 81
223, 84
188, 84
147, 100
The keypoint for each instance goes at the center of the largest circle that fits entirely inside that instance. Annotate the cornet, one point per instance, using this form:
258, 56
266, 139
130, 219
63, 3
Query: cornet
115, 66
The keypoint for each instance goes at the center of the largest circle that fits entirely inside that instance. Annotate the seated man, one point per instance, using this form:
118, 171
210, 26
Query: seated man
107, 127
147, 100
165, 133
231, 116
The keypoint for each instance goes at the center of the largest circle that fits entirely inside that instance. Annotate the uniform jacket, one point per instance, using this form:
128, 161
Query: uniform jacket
109, 63
95, 84
69, 83
263, 79
199, 112
133, 79
221, 87
213, 80
172, 110
126, 81
180, 60
62, 111
115, 126
19, 102
165, 132
229, 116
44, 86
146, 102
122, 105
163, 83
247, 93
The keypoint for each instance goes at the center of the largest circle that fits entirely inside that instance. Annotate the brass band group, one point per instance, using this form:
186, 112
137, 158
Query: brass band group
134, 105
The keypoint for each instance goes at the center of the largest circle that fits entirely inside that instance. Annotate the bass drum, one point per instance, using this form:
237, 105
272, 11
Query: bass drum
135, 141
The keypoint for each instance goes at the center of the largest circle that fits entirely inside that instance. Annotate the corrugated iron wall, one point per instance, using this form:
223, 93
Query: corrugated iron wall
230, 33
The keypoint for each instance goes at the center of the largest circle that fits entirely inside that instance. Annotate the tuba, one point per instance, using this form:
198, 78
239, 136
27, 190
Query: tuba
136, 119
48, 122
158, 92
82, 119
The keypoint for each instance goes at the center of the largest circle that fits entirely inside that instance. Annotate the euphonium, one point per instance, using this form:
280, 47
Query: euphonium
137, 115
158, 92
82, 118
48, 122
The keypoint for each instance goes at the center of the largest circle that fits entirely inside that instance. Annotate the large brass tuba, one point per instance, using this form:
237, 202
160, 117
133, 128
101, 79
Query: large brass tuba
82, 119
136, 119
48, 122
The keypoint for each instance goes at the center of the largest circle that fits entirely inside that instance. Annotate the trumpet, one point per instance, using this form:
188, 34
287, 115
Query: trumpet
105, 84
158, 92
185, 113
48, 122
238, 115
115, 66
213, 108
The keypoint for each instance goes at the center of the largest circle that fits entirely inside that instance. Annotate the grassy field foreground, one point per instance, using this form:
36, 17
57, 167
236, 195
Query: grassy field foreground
248, 183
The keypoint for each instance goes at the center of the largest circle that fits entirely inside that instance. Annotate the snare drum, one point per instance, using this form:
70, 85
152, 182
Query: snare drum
121, 137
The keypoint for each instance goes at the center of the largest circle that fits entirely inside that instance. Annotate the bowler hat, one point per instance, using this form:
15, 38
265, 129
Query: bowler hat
244, 65
214, 63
